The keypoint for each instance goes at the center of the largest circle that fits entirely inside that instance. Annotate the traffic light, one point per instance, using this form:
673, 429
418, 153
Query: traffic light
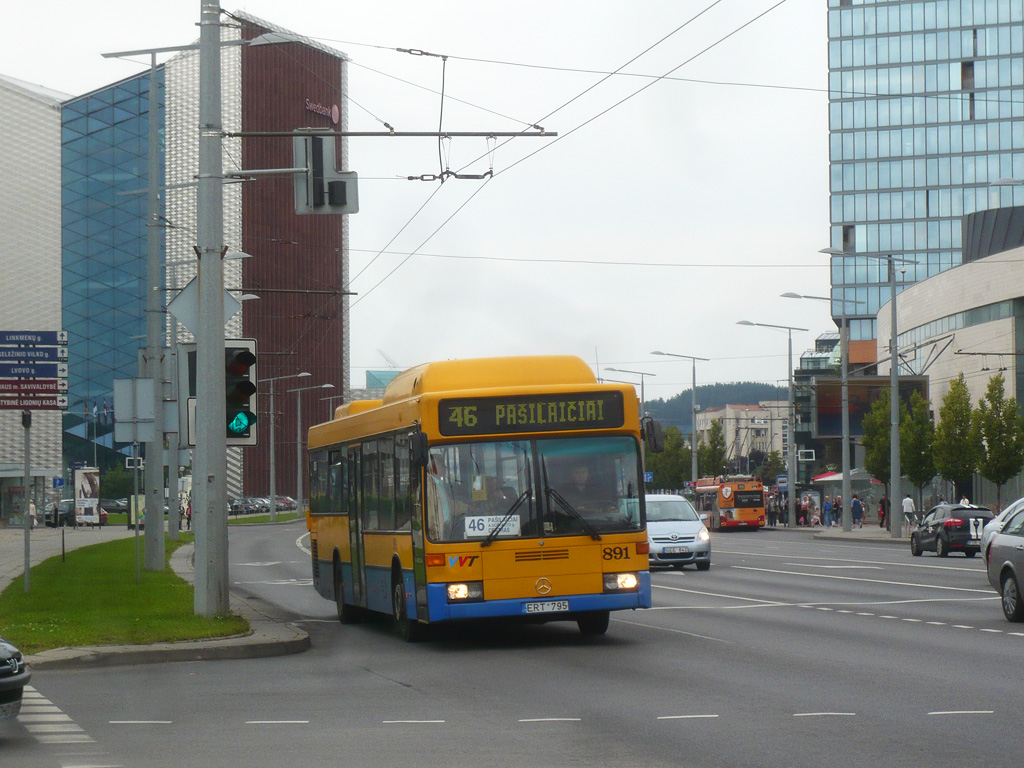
322, 189
240, 391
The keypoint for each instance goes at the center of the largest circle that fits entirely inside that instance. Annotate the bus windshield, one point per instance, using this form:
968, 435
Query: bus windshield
533, 488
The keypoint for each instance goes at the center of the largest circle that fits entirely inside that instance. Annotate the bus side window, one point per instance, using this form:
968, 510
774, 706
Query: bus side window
371, 486
403, 500
386, 507
335, 485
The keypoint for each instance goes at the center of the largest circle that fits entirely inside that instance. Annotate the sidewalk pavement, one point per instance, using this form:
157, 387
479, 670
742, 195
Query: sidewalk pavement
869, 533
269, 636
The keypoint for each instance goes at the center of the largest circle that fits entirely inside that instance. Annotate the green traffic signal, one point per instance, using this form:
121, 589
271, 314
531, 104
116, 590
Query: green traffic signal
240, 391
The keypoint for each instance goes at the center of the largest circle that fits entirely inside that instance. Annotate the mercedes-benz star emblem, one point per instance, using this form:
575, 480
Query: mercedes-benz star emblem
543, 586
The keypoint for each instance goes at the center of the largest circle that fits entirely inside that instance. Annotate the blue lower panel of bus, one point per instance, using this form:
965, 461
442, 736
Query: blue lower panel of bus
441, 609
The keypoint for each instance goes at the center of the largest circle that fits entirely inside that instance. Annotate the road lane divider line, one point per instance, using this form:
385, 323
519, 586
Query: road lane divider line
866, 581
414, 722
675, 631
550, 720
277, 722
965, 712
140, 722
684, 717
824, 714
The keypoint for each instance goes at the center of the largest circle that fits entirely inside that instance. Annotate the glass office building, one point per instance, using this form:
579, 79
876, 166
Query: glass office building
926, 111
104, 150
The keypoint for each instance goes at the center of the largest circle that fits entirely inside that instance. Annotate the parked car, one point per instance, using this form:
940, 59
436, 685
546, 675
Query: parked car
1006, 565
950, 528
992, 526
65, 514
676, 533
285, 502
14, 676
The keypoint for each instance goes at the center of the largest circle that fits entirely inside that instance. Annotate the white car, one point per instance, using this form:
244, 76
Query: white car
995, 525
676, 533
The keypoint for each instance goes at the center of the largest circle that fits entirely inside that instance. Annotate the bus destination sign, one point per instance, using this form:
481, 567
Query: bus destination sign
466, 416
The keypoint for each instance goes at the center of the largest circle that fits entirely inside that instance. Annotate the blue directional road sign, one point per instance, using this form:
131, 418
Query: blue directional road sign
33, 338
33, 354
33, 370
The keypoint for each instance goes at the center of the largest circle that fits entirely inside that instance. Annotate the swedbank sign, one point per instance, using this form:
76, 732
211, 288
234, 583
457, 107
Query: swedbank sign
332, 111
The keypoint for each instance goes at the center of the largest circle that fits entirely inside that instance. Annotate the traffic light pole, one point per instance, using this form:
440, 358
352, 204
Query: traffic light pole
210, 486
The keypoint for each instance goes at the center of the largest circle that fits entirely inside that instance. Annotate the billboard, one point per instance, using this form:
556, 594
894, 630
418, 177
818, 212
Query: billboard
864, 390
87, 496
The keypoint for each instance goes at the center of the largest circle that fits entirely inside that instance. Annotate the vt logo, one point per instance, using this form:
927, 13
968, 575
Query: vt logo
461, 560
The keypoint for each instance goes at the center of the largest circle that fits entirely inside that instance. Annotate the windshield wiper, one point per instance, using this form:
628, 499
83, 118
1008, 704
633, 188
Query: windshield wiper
572, 511
508, 516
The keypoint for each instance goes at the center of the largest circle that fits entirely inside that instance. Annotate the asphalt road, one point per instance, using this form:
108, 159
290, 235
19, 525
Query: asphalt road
788, 652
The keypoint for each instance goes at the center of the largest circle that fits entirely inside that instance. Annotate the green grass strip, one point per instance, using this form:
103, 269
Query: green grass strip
91, 598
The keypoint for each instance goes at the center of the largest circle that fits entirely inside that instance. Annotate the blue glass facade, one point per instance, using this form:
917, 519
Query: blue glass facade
104, 163
926, 111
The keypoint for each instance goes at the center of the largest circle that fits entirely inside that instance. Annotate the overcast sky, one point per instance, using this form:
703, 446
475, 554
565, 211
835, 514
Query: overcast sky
665, 211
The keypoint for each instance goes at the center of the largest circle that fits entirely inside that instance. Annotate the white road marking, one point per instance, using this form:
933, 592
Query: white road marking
852, 560
61, 718
684, 717
965, 712
38, 709
263, 565
549, 720
281, 582
675, 631
937, 623
868, 581
824, 714
427, 722
998, 631
1016, 634
66, 738
837, 567
303, 547
54, 728
917, 621
276, 722
962, 626
141, 722
887, 617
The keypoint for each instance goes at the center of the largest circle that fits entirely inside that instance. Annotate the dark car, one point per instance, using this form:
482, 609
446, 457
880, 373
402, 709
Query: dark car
1006, 565
950, 528
14, 676
65, 514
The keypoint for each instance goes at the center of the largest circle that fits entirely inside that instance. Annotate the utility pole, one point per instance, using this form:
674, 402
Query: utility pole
209, 483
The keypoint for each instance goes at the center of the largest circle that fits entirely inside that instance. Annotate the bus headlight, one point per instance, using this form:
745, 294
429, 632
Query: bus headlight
619, 582
466, 592
704, 535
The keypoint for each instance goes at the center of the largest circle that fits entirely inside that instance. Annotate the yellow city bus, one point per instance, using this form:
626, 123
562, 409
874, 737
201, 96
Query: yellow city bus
494, 487
732, 501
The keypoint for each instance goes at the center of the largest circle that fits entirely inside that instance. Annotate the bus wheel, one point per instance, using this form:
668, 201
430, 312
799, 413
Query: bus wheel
593, 623
347, 613
409, 630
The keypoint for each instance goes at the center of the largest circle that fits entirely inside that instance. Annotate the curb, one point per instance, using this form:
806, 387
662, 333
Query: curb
269, 637
840, 535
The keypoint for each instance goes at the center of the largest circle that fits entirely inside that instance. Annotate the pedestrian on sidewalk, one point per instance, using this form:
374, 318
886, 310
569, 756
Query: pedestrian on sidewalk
883, 512
909, 512
858, 512
827, 507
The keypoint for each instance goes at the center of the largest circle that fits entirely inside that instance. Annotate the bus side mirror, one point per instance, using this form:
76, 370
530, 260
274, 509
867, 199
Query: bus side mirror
652, 435
418, 450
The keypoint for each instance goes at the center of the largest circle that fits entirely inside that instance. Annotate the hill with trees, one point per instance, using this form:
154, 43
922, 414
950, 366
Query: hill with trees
675, 412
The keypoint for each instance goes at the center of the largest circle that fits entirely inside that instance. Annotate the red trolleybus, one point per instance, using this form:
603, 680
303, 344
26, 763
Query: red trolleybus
494, 487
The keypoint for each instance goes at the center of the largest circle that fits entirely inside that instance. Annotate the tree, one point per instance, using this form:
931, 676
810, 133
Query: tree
877, 433
999, 435
116, 482
955, 447
773, 467
671, 467
917, 433
711, 455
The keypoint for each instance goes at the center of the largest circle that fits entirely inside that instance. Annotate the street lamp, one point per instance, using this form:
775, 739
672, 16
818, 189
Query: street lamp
298, 442
895, 508
273, 418
693, 409
791, 456
844, 362
641, 375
